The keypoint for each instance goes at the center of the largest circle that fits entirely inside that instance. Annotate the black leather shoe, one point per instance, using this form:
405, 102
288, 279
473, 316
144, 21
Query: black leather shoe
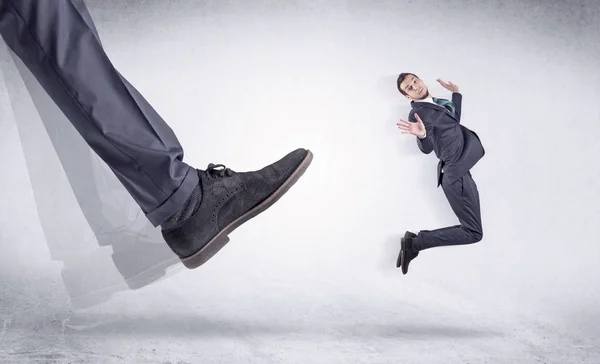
229, 199
406, 252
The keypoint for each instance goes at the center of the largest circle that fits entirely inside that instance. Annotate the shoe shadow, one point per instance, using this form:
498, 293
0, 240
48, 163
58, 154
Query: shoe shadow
197, 326
416, 331
172, 325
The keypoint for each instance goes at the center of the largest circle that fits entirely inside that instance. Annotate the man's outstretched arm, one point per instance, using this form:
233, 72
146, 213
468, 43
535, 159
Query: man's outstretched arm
414, 126
457, 101
456, 96
424, 142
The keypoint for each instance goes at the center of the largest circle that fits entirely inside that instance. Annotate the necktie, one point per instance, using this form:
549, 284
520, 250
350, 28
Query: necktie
445, 103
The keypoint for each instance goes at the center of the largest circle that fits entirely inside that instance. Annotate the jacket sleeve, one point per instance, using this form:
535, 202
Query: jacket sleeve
457, 101
425, 144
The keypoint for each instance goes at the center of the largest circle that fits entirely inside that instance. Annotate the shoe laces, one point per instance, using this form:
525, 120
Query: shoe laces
218, 171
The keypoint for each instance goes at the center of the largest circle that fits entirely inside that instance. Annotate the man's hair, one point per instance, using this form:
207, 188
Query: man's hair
400, 79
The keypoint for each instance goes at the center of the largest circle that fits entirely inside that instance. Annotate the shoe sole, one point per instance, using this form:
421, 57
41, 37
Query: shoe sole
221, 239
401, 255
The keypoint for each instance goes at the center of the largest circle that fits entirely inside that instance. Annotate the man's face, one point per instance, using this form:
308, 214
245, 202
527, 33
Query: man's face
414, 87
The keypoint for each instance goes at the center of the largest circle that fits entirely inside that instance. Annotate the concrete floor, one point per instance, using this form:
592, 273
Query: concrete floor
191, 318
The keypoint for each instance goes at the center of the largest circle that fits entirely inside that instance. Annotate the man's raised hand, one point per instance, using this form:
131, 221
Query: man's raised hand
413, 128
448, 85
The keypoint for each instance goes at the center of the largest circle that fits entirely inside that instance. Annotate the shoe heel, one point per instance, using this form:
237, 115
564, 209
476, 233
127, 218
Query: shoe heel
207, 252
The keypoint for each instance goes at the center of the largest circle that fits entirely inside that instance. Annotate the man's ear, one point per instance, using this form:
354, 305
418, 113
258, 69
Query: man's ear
408, 97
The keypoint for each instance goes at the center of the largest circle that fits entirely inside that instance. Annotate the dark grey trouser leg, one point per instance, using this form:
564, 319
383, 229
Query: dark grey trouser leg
57, 45
107, 206
464, 200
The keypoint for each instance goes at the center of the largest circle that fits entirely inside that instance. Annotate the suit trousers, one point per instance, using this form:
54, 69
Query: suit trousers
464, 200
58, 43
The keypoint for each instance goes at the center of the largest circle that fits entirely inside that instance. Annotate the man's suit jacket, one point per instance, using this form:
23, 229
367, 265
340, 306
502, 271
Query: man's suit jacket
457, 147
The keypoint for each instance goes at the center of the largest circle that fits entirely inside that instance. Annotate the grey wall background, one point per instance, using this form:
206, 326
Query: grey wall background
242, 83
